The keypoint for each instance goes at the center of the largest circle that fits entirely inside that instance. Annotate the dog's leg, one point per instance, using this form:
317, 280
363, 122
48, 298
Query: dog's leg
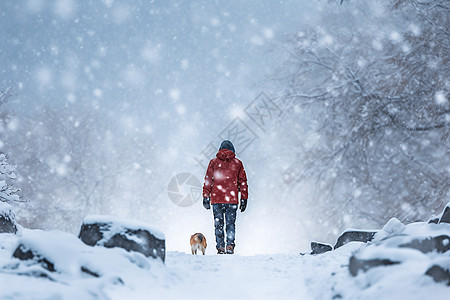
203, 250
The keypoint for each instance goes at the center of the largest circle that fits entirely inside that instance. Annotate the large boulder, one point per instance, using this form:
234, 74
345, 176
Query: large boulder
319, 248
7, 220
352, 235
130, 235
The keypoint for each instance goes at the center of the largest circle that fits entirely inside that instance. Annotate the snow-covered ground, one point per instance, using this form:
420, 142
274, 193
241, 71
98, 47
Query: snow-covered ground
183, 276
84, 272
224, 277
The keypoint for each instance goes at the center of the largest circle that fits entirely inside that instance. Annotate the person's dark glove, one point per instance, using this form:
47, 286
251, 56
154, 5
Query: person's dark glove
243, 205
206, 202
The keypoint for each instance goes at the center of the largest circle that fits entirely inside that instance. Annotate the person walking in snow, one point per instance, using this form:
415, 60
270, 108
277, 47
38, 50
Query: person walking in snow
225, 178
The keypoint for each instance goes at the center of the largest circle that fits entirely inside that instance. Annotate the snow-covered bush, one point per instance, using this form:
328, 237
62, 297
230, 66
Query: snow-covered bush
8, 196
8, 193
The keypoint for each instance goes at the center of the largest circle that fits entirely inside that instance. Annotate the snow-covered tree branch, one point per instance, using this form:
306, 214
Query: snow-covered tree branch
8, 193
375, 88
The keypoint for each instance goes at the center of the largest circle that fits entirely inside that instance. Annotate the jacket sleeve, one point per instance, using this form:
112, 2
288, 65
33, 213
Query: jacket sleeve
209, 179
242, 182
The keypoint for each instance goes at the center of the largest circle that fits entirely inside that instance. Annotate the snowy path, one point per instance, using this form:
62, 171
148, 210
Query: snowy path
280, 276
241, 277
227, 277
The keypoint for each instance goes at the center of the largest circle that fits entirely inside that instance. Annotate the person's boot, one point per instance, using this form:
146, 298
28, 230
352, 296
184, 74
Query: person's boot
220, 250
230, 249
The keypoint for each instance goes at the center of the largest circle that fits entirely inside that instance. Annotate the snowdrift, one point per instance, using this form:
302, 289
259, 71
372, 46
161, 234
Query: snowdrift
397, 262
58, 264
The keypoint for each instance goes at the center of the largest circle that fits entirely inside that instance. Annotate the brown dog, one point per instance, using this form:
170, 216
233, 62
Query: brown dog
198, 241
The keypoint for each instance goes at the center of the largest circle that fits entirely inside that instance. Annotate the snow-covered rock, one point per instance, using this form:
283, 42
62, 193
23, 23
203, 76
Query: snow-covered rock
438, 244
7, 219
440, 273
415, 250
354, 235
110, 232
319, 248
434, 220
392, 227
363, 265
57, 265
445, 216
62, 252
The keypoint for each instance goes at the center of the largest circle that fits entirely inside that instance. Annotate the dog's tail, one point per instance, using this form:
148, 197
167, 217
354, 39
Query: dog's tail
200, 237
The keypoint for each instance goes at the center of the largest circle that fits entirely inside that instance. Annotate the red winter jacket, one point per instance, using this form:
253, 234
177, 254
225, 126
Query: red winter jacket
224, 178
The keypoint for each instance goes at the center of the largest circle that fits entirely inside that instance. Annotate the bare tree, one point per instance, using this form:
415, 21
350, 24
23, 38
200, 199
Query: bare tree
8, 193
5, 115
64, 167
74, 162
371, 97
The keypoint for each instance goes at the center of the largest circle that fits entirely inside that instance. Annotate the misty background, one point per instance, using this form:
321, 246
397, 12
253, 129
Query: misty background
105, 101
